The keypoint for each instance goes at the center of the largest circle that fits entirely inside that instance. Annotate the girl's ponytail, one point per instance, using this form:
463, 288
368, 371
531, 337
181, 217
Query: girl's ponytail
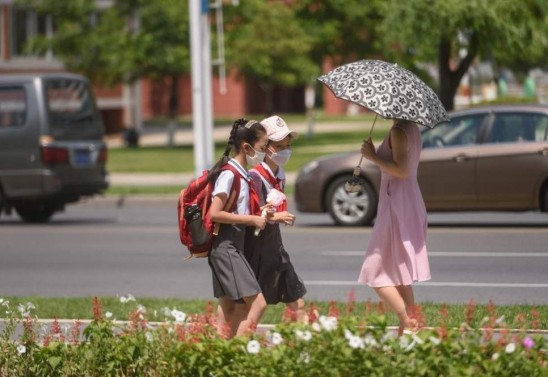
216, 169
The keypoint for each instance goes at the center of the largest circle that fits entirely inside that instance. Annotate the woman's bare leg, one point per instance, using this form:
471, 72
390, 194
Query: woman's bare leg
391, 297
406, 292
299, 309
248, 314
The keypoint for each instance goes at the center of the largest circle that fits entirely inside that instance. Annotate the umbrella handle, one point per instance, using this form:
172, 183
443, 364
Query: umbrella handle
358, 168
371, 130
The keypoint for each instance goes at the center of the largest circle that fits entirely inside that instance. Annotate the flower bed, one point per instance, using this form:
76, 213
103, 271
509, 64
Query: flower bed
333, 345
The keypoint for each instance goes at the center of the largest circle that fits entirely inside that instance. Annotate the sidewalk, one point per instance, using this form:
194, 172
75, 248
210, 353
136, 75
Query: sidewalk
158, 136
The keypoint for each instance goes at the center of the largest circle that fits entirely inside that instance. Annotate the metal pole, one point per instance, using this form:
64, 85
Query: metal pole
195, 17
207, 86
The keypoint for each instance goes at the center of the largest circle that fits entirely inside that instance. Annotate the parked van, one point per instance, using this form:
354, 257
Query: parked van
51, 144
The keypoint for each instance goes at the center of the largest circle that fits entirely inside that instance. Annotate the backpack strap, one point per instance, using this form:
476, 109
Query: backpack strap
230, 204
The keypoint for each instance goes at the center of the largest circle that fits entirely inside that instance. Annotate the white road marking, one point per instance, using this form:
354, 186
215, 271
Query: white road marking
482, 254
433, 284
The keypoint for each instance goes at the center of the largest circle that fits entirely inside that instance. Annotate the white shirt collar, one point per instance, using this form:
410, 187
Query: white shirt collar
280, 174
240, 168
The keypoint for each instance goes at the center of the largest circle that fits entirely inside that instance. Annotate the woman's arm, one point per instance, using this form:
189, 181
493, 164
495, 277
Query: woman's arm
398, 166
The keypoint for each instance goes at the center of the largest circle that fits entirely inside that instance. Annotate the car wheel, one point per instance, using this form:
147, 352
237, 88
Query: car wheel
351, 209
36, 213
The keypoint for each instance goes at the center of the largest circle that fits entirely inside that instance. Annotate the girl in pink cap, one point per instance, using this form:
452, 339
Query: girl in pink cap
264, 250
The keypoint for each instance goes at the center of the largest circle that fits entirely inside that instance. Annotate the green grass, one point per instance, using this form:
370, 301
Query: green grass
160, 190
181, 159
143, 190
81, 308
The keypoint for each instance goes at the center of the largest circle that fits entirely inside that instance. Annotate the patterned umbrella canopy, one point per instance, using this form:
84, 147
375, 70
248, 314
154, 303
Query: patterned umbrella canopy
391, 91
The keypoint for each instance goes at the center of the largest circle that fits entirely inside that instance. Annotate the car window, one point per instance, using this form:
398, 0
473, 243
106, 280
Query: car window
72, 111
462, 130
518, 127
13, 106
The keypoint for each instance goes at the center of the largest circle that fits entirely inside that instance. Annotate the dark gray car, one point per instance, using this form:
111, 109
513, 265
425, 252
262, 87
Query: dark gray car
51, 144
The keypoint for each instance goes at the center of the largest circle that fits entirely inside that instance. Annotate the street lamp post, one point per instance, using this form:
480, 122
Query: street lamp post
200, 51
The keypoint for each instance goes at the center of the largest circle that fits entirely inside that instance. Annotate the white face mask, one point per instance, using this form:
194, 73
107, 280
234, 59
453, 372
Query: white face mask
256, 159
282, 157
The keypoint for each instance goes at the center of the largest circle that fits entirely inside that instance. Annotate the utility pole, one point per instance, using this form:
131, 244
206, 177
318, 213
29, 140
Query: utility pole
202, 109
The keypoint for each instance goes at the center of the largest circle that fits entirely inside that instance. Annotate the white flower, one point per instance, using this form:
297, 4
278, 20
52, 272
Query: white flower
30, 306
500, 320
276, 338
178, 315
5, 303
253, 347
495, 356
510, 347
23, 310
124, 299
1, 300
316, 327
108, 314
328, 323
304, 357
141, 309
21, 349
386, 348
348, 334
369, 340
303, 335
167, 312
404, 341
388, 336
149, 337
416, 339
355, 342
435, 341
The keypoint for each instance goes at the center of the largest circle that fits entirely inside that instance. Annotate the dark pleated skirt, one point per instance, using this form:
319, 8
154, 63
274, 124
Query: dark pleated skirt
272, 266
232, 276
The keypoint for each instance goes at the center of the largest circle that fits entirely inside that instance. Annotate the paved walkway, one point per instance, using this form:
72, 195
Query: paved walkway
158, 136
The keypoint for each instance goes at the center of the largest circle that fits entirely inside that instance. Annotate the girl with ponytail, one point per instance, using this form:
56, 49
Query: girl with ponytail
241, 303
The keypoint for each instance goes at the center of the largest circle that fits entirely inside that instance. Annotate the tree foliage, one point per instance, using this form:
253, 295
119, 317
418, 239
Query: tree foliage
284, 42
456, 32
266, 42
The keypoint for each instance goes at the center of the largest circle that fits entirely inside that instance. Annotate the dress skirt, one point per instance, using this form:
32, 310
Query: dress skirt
271, 264
233, 278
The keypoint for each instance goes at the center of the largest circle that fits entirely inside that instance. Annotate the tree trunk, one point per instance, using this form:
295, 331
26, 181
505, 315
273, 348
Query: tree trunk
172, 109
450, 79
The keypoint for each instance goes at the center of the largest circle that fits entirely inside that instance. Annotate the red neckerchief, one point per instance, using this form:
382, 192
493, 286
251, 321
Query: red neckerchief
275, 182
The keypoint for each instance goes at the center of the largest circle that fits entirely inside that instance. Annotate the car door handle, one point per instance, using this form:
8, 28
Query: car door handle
461, 158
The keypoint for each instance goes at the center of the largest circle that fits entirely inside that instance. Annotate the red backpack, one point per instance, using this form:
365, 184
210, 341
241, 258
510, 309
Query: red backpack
196, 230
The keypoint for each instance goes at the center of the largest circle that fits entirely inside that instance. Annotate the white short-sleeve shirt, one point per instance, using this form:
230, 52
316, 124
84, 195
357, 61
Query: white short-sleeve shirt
224, 183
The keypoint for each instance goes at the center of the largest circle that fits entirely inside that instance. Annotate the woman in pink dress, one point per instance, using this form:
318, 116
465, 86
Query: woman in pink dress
396, 256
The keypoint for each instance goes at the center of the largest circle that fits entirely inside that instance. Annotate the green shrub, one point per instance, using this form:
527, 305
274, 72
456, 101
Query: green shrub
333, 345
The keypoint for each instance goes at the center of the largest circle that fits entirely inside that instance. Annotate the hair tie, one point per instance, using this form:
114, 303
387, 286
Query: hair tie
250, 123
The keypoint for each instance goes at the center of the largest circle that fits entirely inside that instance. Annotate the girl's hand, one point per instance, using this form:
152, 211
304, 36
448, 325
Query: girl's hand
285, 217
258, 222
368, 149
270, 210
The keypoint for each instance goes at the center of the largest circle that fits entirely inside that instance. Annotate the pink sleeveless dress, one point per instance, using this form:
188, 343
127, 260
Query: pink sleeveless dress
396, 253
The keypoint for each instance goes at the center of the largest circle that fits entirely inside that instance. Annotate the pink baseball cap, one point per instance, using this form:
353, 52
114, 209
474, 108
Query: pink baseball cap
276, 128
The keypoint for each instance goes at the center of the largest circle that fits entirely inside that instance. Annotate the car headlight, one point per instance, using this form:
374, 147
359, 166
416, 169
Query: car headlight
309, 167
